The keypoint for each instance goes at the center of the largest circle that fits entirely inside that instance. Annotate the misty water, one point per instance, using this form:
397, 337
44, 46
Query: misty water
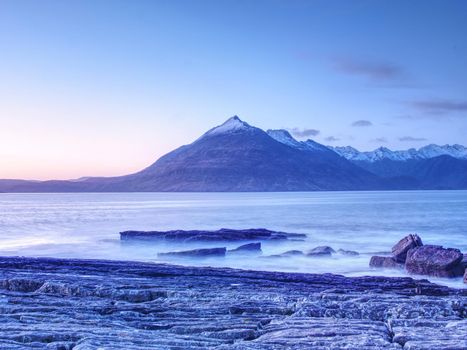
87, 225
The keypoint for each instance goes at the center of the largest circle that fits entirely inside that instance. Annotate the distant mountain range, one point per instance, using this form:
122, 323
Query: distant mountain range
427, 152
236, 156
429, 167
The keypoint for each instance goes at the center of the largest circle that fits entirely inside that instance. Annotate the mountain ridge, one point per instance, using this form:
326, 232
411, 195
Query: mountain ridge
426, 152
236, 156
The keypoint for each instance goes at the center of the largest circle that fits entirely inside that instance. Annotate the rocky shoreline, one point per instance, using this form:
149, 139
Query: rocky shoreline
88, 304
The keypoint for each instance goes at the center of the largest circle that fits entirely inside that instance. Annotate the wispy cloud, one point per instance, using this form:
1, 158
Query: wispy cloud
331, 139
380, 140
304, 132
439, 106
374, 71
411, 139
360, 123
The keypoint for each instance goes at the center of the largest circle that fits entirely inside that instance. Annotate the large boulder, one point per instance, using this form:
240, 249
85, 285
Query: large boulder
435, 261
247, 248
399, 251
196, 253
321, 251
385, 262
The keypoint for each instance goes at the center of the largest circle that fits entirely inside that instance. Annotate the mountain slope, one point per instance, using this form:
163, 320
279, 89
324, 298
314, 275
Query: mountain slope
238, 157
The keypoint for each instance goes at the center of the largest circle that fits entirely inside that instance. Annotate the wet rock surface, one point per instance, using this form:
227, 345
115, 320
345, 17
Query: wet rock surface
90, 304
321, 251
247, 248
196, 253
223, 234
400, 249
386, 262
348, 252
418, 259
434, 260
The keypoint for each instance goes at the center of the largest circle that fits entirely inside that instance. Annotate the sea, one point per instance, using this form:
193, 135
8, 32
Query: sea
87, 225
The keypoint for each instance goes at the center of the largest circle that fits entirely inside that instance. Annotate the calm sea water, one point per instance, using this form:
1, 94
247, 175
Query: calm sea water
86, 225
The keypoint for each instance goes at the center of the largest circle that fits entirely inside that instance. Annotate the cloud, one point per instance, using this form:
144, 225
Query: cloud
380, 140
411, 139
331, 139
374, 71
362, 123
439, 106
304, 132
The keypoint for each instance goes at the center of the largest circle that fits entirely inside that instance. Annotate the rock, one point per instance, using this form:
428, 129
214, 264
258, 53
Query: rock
197, 253
465, 276
399, 251
386, 262
247, 248
321, 251
96, 304
435, 261
292, 253
348, 252
286, 254
223, 234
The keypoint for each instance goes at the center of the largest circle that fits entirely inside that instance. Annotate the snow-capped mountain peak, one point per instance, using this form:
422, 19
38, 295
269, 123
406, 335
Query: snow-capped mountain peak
283, 136
426, 152
231, 125
431, 151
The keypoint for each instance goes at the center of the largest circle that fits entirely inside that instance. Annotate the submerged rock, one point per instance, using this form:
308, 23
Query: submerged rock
321, 251
465, 276
197, 253
386, 262
435, 261
286, 254
292, 253
399, 251
247, 248
223, 234
348, 252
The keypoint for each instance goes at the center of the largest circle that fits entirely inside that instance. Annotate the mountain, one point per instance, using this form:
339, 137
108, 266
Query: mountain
427, 152
236, 156
429, 167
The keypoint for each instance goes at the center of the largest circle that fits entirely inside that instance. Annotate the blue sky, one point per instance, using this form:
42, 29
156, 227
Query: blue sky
105, 87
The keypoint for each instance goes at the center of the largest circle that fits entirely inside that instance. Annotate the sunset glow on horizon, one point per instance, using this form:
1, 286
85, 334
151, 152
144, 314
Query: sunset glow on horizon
105, 88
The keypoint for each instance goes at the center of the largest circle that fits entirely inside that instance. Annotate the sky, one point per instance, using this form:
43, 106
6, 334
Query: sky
105, 87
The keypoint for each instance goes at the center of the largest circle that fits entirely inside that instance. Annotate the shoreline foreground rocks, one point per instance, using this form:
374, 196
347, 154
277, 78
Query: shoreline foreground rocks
76, 304
418, 259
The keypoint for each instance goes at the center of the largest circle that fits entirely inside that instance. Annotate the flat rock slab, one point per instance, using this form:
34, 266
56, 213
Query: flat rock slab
221, 235
91, 304
196, 253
